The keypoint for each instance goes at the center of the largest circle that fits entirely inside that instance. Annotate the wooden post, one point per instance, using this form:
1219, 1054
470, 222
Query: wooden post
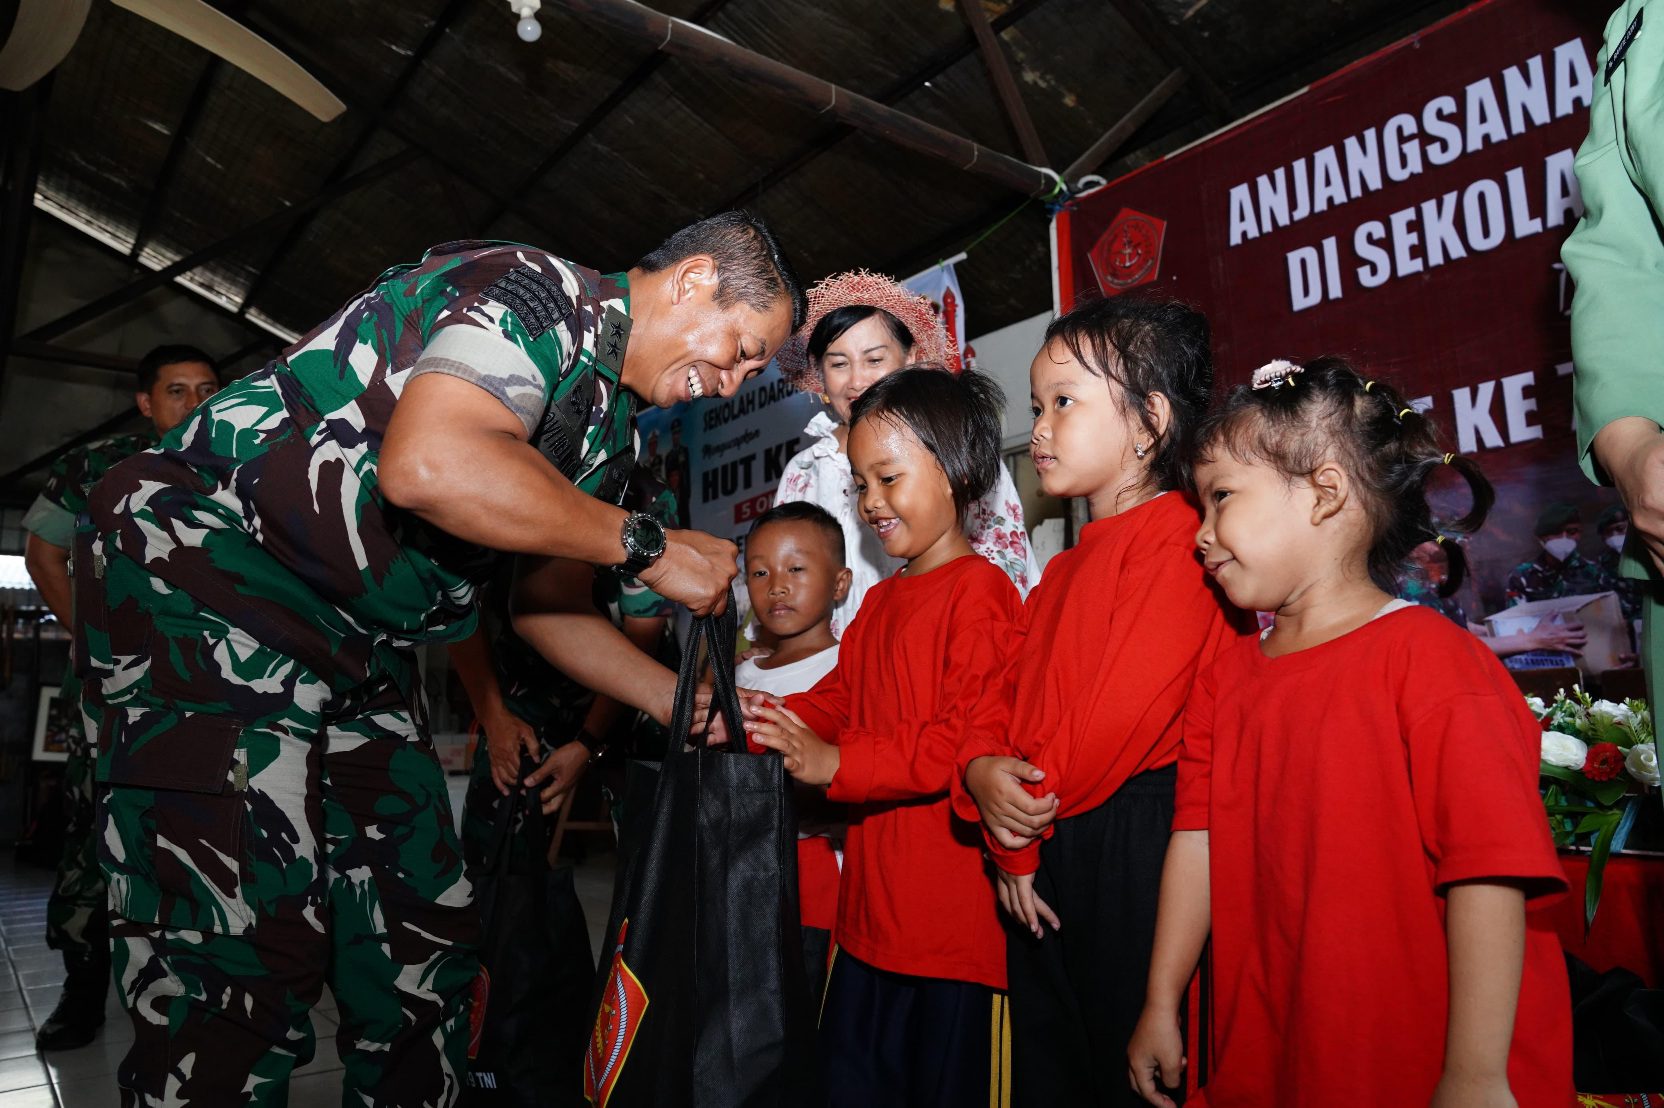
999, 71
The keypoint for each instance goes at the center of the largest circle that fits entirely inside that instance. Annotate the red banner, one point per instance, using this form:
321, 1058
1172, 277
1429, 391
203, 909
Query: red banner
1407, 212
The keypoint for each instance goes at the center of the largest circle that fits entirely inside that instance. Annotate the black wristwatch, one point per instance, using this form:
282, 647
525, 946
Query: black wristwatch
596, 746
643, 542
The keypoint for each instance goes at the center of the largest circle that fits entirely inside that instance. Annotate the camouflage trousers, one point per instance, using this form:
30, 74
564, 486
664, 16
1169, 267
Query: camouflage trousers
262, 836
77, 920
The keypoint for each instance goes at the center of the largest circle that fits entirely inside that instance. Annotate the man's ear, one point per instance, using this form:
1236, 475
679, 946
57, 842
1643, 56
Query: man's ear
840, 590
1332, 488
695, 272
142, 399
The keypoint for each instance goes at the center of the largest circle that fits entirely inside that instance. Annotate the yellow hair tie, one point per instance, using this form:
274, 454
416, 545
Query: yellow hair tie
1368, 385
1439, 539
1448, 458
1404, 413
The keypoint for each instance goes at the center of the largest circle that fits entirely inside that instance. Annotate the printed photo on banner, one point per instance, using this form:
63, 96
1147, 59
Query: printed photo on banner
1408, 213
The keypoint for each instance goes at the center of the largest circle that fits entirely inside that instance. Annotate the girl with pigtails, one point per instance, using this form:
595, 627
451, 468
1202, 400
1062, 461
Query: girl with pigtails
1357, 819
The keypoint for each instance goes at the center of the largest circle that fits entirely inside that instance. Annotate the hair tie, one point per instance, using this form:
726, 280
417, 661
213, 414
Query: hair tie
1439, 539
1448, 458
1405, 412
1275, 374
1368, 385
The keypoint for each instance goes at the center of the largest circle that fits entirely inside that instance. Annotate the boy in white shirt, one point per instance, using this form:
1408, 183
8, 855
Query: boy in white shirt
796, 577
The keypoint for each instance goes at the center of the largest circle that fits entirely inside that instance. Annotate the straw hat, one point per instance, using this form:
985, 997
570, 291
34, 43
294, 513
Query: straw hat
931, 342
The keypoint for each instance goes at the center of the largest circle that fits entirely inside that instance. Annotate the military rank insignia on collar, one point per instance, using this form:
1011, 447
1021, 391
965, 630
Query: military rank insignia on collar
1617, 56
536, 298
611, 340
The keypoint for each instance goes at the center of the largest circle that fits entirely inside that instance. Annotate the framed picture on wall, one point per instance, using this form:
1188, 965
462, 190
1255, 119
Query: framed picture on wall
53, 720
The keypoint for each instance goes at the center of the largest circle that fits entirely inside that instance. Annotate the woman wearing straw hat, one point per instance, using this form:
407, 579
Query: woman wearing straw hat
861, 327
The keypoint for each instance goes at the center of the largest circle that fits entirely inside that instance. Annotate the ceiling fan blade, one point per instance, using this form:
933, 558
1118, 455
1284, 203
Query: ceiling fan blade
219, 34
41, 36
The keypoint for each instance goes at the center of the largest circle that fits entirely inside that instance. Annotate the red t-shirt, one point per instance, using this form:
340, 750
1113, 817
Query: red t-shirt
923, 669
1342, 788
1116, 632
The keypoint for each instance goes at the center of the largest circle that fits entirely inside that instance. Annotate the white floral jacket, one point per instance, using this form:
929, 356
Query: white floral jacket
820, 474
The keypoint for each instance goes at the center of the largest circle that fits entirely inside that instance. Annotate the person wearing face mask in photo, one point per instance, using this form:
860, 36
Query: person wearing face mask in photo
860, 328
1432, 578
1613, 528
1558, 569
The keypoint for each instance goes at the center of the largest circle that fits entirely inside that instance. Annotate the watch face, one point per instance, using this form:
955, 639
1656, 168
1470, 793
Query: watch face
646, 536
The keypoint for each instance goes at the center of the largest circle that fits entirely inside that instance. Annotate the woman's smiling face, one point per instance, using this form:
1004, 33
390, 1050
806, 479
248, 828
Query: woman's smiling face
866, 353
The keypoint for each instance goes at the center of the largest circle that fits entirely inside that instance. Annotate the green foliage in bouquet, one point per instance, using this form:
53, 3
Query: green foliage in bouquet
1597, 756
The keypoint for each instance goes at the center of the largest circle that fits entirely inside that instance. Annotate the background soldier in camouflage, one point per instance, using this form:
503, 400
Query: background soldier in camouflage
1558, 569
249, 595
172, 380
526, 706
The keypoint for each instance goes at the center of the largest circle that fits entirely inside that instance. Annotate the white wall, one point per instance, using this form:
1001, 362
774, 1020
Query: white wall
1005, 355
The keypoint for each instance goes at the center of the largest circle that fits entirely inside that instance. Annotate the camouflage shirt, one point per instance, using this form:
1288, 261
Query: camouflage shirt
539, 693
1541, 579
1631, 592
264, 505
51, 517
1414, 587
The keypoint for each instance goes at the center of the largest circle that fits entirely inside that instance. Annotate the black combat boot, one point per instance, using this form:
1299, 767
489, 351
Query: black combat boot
80, 1011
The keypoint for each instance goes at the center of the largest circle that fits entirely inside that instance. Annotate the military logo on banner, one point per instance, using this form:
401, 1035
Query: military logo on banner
616, 1026
1129, 253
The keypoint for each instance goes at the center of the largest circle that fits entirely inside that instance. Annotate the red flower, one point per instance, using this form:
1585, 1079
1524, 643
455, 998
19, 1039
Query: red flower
1605, 762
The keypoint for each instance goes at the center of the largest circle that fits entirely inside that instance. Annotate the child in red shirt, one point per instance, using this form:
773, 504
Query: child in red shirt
1116, 633
914, 1009
1358, 820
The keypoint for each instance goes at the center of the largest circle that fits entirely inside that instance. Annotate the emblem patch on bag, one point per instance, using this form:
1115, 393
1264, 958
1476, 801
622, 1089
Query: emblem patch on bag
616, 1025
480, 996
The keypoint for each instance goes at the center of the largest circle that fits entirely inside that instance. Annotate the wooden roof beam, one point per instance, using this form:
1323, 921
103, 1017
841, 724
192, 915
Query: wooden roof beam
253, 232
906, 86
613, 101
678, 37
407, 73
1167, 41
1122, 130
1005, 86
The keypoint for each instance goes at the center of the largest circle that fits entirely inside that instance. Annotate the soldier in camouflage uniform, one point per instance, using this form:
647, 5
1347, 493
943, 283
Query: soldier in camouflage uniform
1613, 528
172, 380
249, 596
524, 704
1558, 569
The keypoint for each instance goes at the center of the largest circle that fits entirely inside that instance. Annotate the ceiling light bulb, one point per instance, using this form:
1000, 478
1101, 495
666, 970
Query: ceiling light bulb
529, 29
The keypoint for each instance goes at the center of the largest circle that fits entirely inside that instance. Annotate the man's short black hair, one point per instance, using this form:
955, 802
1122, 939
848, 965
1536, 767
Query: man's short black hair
956, 418
801, 511
749, 264
170, 354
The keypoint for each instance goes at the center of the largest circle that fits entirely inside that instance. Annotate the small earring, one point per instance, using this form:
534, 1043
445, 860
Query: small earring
825, 398
1139, 450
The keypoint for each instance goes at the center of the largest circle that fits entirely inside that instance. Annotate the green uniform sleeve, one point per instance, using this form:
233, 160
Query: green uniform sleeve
49, 522
478, 335
1615, 255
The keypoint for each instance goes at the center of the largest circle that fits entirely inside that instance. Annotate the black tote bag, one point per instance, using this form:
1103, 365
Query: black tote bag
530, 1017
704, 1001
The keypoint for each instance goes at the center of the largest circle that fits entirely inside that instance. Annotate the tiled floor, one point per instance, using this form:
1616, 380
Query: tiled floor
31, 977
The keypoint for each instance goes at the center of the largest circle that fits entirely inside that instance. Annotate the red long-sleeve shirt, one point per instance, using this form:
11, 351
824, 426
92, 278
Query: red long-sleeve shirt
1116, 632
923, 670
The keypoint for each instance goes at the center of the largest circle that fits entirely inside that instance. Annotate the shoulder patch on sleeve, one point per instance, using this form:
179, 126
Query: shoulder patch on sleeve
536, 298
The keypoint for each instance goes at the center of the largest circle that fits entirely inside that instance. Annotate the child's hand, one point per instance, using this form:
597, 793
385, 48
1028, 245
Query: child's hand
1463, 1091
1155, 1056
807, 758
1011, 815
1017, 897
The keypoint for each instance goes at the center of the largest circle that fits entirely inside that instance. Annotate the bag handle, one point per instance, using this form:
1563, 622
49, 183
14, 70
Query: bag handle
496, 860
719, 634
